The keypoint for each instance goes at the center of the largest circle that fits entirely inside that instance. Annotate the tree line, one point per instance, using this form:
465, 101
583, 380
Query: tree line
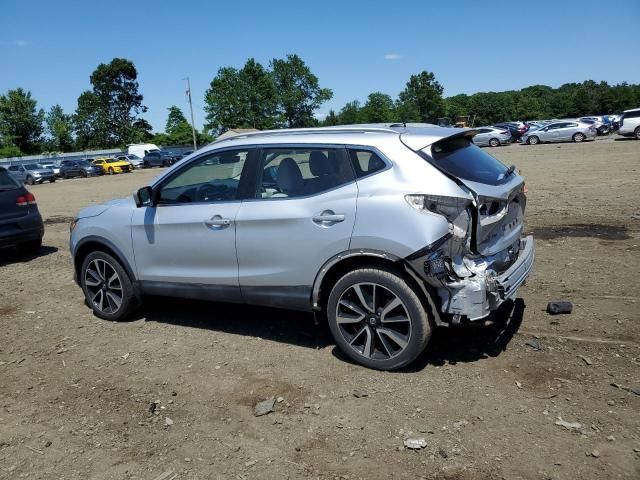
286, 93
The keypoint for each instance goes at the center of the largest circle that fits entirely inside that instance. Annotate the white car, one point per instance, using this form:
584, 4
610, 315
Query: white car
133, 159
630, 123
491, 136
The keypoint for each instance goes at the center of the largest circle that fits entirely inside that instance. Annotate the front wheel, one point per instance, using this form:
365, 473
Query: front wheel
579, 137
52, 180
494, 142
29, 180
111, 171
636, 132
107, 287
377, 319
533, 140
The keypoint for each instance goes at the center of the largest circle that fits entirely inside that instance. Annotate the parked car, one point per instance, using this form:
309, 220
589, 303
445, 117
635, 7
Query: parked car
110, 165
141, 149
134, 160
601, 122
52, 166
630, 123
78, 168
517, 129
386, 231
157, 159
20, 221
560, 132
32, 173
491, 136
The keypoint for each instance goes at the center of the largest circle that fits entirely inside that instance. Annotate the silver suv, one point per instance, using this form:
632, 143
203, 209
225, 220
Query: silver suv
386, 230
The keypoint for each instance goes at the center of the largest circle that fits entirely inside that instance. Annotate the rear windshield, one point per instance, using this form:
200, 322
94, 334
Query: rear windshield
7, 182
462, 159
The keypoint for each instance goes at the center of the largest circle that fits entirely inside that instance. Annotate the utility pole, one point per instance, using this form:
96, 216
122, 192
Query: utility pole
193, 127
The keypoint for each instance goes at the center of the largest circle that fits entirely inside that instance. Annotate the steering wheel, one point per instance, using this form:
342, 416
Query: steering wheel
207, 192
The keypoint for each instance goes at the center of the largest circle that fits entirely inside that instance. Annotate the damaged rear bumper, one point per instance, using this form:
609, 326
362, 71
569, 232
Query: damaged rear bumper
482, 292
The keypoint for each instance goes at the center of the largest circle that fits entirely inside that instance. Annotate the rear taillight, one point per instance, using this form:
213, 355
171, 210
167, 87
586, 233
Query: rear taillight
26, 199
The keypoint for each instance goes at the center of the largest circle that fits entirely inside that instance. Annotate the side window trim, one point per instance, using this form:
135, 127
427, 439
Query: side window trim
251, 152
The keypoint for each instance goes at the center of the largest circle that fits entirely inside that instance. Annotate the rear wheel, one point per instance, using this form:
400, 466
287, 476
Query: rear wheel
32, 246
377, 319
533, 140
52, 180
107, 287
494, 142
578, 137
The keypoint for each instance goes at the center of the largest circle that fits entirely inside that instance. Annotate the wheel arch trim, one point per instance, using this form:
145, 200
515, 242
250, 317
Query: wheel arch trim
110, 246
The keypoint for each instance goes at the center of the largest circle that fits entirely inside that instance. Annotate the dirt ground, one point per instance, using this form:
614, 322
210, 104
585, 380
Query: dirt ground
75, 391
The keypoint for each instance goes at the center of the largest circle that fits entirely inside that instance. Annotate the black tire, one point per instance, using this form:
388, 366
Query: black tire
578, 137
129, 301
494, 142
83, 174
533, 140
636, 132
52, 180
29, 180
146, 165
110, 171
419, 326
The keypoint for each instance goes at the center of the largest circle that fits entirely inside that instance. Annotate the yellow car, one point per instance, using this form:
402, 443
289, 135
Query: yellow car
112, 165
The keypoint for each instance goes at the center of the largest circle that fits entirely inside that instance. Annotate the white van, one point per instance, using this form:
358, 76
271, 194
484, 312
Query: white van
141, 149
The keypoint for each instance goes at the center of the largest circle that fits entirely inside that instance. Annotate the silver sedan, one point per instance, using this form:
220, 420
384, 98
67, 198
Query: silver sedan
491, 136
563, 131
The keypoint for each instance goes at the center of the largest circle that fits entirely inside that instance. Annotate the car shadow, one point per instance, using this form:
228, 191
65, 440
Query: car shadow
16, 255
285, 326
464, 343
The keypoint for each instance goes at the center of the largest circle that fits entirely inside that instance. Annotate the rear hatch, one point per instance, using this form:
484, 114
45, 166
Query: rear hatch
500, 201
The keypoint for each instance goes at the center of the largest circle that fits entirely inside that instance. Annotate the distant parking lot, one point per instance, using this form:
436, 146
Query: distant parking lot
533, 396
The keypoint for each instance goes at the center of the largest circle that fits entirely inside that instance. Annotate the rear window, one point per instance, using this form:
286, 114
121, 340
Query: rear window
7, 182
462, 159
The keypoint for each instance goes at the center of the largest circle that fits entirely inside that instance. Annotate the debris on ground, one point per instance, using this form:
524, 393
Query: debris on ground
568, 425
415, 443
559, 306
535, 344
635, 391
264, 407
168, 422
360, 393
152, 408
168, 475
586, 359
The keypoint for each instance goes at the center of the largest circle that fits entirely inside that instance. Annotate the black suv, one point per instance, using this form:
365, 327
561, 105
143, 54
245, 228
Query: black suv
78, 168
20, 221
156, 158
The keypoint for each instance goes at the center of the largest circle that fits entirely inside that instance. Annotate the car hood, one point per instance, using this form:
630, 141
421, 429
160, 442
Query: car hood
41, 171
95, 210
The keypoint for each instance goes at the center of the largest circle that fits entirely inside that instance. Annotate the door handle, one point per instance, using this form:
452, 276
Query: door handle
328, 217
217, 221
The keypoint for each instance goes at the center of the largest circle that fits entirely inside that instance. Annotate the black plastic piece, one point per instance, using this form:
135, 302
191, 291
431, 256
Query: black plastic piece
558, 307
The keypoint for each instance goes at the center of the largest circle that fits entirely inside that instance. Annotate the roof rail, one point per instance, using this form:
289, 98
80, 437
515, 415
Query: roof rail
306, 131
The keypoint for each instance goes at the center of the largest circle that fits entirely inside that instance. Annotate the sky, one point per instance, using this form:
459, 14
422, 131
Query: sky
50, 47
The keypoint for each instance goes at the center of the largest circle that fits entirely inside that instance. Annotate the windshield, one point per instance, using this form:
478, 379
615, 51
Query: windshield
7, 182
462, 159
112, 160
84, 163
133, 157
33, 166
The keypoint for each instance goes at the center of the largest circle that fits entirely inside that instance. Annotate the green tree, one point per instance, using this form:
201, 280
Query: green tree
59, 130
243, 98
299, 92
422, 95
21, 123
331, 119
379, 108
142, 131
351, 113
106, 115
178, 129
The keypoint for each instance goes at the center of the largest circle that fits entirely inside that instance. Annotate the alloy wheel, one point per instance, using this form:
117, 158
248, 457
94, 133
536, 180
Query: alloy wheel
533, 140
578, 137
104, 286
373, 321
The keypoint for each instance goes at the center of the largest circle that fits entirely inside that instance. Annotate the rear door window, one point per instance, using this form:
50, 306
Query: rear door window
366, 162
7, 182
462, 159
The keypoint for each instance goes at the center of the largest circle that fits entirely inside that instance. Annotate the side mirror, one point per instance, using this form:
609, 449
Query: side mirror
144, 197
